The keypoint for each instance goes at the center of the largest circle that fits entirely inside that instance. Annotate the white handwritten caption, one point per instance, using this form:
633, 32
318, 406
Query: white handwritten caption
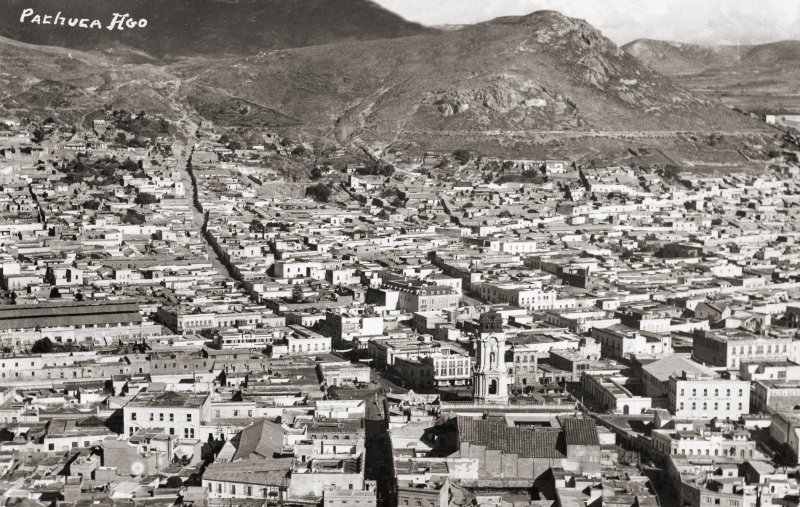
118, 21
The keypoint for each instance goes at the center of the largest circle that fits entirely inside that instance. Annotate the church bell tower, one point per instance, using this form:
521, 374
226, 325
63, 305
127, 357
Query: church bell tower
490, 381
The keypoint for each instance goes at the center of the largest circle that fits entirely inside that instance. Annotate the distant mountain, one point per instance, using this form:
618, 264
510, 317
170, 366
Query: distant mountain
760, 79
541, 72
206, 27
776, 53
673, 58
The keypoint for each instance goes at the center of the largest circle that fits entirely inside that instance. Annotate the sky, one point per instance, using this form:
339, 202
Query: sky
708, 22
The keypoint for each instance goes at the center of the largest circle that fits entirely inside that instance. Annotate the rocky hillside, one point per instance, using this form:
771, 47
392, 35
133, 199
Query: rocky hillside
206, 27
541, 72
539, 80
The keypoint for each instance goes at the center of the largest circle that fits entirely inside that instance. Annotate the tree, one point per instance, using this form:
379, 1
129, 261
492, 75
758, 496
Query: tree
38, 135
145, 198
319, 192
672, 171
132, 217
174, 482
92, 204
297, 293
785, 456
462, 156
130, 165
257, 226
42, 346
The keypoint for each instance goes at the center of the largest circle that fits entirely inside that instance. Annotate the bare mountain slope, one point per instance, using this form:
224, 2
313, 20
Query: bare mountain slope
542, 72
207, 27
542, 83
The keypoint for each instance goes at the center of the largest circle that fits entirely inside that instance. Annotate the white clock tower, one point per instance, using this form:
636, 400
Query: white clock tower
490, 382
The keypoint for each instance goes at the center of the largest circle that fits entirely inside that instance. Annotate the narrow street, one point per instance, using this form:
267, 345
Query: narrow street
183, 155
378, 449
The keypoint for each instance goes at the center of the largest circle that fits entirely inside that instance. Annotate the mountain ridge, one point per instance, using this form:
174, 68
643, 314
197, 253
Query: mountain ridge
181, 28
541, 71
542, 82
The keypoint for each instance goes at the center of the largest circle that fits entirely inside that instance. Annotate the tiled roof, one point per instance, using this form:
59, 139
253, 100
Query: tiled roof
525, 442
675, 364
580, 432
271, 472
261, 440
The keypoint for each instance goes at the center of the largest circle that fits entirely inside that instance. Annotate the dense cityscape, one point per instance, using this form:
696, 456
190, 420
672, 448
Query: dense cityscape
316, 253
400, 330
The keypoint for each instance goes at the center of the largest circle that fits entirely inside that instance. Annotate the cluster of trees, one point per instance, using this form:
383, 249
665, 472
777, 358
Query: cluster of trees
102, 171
672, 171
37, 135
133, 217
462, 156
141, 125
376, 169
231, 143
529, 176
674, 251
144, 130
319, 192
42, 346
146, 198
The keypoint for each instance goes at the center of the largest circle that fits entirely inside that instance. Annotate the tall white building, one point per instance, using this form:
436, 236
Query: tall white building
490, 382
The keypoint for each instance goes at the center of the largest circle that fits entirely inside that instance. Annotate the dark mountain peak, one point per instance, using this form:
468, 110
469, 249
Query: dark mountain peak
208, 27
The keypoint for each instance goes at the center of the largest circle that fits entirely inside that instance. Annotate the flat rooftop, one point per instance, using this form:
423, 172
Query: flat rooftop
168, 399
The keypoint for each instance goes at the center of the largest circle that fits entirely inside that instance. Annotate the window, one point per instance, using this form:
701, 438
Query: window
171, 417
133, 416
188, 417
